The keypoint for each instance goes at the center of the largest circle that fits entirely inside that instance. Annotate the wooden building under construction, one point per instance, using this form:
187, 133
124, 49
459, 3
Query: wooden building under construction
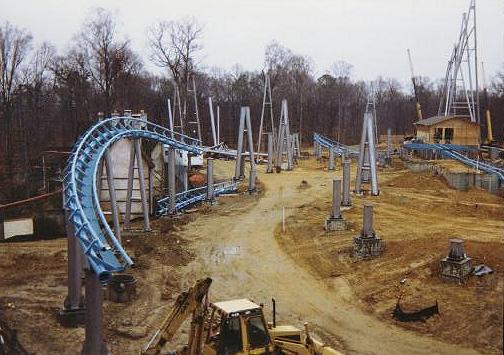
457, 130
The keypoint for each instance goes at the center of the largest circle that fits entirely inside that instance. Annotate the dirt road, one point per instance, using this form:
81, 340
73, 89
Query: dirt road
238, 250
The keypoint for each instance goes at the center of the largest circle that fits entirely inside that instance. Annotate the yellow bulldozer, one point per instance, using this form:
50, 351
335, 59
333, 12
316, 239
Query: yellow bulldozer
230, 327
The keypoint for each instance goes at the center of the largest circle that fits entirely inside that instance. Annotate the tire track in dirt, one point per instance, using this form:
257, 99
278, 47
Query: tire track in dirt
240, 253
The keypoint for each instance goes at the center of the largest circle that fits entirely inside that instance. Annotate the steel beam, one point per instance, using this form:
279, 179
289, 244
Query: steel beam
112, 195
210, 181
367, 221
331, 165
346, 183
269, 168
94, 343
171, 182
336, 199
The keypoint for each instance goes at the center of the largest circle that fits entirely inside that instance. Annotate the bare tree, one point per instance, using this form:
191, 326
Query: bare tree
106, 58
174, 46
14, 49
276, 59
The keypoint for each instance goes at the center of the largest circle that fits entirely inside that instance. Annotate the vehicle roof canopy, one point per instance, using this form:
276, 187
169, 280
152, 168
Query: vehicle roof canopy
236, 306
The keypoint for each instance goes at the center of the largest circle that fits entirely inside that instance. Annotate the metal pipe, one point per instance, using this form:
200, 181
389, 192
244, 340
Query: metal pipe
129, 192
290, 162
252, 180
239, 150
141, 177
336, 199
210, 181
331, 160
367, 222
212, 122
93, 343
171, 181
74, 298
274, 312
269, 168
358, 178
372, 159
112, 195
346, 183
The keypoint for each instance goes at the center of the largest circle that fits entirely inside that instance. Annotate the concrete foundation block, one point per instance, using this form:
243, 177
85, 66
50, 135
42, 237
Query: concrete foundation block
335, 224
121, 289
456, 270
72, 318
367, 247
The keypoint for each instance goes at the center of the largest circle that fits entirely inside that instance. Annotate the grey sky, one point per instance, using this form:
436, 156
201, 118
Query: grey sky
373, 35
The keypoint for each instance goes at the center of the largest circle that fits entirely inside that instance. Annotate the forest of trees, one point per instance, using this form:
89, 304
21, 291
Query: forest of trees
48, 98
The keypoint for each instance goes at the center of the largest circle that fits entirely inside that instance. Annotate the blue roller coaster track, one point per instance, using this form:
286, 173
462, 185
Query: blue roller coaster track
453, 152
103, 251
190, 197
336, 146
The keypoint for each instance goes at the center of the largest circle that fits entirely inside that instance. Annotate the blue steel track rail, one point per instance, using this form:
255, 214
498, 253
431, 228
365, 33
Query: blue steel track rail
336, 146
190, 197
102, 250
452, 152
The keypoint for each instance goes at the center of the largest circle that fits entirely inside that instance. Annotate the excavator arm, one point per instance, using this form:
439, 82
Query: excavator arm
187, 303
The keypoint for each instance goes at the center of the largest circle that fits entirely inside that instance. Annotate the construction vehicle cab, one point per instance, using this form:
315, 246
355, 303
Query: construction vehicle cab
237, 327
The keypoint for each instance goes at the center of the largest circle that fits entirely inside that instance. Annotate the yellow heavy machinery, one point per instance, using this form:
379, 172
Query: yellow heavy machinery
489, 139
230, 327
418, 107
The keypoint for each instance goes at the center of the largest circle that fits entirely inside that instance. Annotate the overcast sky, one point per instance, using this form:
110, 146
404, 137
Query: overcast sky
372, 35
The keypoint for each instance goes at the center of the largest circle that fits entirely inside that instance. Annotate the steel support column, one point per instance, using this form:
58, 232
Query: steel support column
210, 181
112, 195
171, 181
346, 183
336, 199
94, 343
331, 165
269, 168
367, 221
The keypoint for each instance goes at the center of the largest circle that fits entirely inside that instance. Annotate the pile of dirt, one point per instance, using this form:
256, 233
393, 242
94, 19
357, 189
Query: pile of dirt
416, 215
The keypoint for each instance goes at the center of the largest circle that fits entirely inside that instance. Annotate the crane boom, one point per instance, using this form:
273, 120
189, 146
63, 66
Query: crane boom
415, 88
488, 116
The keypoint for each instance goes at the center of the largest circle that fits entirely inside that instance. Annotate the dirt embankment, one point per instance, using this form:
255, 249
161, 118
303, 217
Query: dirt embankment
416, 215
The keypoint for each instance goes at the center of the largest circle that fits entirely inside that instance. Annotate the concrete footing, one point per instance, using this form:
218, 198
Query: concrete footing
335, 224
457, 266
367, 244
72, 317
121, 289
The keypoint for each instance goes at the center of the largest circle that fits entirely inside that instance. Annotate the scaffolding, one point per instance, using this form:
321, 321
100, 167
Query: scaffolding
461, 89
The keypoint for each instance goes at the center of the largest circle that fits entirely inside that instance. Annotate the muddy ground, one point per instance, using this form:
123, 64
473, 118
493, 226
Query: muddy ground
239, 243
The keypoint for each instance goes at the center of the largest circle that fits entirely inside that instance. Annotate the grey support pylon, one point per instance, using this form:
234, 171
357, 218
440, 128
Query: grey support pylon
367, 244
136, 154
389, 148
335, 221
331, 164
284, 145
346, 183
336, 200
212, 122
93, 342
367, 156
210, 181
267, 101
297, 146
269, 168
245, 127
73, 312
171, 181
111, 188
